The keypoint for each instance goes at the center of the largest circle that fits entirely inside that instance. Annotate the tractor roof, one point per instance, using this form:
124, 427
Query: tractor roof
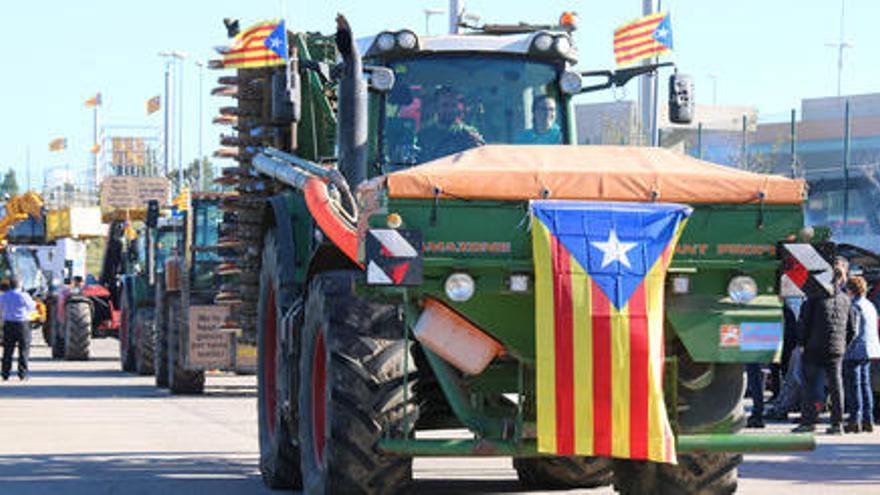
515, 43
609, 173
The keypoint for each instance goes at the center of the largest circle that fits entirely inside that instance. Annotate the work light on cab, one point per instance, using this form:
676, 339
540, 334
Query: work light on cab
407, 40
385, 42
460, 287
542, 42
571, 82
742, 289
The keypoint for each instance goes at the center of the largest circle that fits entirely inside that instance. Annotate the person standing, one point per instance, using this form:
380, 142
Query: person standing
857, 360
825, 327
17, 308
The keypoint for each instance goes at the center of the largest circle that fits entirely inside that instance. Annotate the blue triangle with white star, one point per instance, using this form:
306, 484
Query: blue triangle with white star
277, 40
663, 32
617, 244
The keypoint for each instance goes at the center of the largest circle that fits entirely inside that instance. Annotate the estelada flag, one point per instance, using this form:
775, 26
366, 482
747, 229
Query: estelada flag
94, 101
154, 104
599, 273
181, 202
58, 144
261, 45
643, 38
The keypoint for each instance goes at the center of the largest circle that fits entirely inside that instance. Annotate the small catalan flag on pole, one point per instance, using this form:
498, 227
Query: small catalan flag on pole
643, 38
154, 104
260, 45
94, 101
58, 144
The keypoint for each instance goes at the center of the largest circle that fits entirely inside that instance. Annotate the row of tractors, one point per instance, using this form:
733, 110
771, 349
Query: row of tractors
174, 322
357, 261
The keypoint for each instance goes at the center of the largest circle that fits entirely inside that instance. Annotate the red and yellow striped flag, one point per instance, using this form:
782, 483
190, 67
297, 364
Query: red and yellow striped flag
261, 45
599, 279
154, 104
58, 144
94, 101
643, 38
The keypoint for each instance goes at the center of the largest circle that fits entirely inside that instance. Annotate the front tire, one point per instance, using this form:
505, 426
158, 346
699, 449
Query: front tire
180, 380
77, 329
160, 357
126, 356
563, 473
145, 337
351, 391
276, 404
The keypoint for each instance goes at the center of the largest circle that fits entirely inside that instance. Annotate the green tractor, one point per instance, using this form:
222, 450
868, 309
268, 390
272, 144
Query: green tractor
343, 168
192, 330
144, 267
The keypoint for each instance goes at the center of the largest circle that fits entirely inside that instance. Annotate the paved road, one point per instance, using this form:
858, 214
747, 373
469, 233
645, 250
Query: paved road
86, 428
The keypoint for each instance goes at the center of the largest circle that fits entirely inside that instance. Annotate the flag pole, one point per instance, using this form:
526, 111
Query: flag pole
647, 88
94, 142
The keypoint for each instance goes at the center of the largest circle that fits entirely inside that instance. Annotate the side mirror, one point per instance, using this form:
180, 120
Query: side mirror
681, 99
152, 213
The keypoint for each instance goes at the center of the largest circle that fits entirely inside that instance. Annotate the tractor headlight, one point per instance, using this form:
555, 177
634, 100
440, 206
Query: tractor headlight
407, 40
562, 45
381, 79
570, 82
385, 42
460, 287
742, 289
542, 42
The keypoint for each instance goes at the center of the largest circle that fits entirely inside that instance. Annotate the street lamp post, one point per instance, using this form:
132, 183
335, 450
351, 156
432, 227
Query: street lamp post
201, 66
714, 78
428, 14
174, 56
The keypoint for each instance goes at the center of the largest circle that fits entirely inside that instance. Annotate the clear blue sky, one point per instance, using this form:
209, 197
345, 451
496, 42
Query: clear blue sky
58, 53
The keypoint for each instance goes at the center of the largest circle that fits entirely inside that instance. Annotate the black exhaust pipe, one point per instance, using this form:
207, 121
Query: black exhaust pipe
351, 117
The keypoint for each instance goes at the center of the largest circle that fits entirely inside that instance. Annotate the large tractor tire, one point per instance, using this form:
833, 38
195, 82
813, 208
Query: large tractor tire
563, 473
351, 391
57, 338
77, 329
276, 375
709, 399
126, 336
47, 325
180, 380
160, 356
144, 332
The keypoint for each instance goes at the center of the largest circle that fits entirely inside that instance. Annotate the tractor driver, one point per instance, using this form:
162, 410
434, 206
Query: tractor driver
544, 129
448, 134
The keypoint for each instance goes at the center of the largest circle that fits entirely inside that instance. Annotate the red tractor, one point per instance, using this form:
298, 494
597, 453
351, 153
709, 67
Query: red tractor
84, 312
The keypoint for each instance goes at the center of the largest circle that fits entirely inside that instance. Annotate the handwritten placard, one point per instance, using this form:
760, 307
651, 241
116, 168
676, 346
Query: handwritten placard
209, 345
133, 192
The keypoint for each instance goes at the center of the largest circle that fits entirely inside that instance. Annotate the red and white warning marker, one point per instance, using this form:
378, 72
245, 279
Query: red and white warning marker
804, 271
393, 257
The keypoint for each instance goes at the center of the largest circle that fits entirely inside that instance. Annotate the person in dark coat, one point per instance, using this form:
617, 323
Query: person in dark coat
826, 326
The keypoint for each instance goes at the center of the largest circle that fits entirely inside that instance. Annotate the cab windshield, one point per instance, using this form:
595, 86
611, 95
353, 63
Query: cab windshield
441, 105
24, 266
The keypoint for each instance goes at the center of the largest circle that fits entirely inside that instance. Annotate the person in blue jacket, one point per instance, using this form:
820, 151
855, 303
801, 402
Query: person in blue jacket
857, 360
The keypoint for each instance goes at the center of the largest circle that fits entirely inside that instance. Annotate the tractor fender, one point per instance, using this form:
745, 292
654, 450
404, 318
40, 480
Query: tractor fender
335, 228
280, 217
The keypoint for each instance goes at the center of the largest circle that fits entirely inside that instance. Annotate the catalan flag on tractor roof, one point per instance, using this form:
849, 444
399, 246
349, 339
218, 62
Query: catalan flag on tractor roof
599, 278
643, 38
261, 45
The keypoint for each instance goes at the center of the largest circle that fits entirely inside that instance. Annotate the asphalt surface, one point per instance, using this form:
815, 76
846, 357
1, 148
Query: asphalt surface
87, 428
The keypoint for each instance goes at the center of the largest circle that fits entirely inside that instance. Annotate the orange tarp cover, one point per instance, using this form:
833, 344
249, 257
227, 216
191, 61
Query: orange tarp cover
612, 173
